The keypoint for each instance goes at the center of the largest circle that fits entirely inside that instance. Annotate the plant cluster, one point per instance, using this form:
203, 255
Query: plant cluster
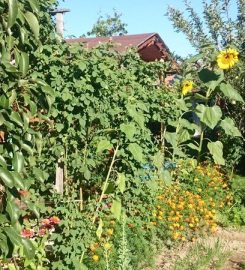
118, 135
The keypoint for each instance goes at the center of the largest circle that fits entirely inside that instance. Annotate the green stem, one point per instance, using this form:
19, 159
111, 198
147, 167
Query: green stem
103, 191
105, 183
107, 260
200, 147
202, 133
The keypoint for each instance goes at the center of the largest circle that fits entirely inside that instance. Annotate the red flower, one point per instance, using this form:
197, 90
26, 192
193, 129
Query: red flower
42, 231
24, 193
54, 220
46, 222
27, 233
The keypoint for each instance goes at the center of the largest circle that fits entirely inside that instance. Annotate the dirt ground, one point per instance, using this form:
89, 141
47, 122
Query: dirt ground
231, 241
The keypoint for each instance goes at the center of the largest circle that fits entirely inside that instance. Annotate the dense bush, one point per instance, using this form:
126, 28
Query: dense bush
119, 136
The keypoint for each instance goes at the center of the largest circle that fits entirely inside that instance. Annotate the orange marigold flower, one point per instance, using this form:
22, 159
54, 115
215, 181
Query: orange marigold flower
45, 222
54, 220
42, 231
27, 233
24, 193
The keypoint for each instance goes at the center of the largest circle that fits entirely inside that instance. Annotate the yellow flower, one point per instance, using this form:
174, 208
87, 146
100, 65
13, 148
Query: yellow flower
110, 232
187, 86
107, 246
93, 248
227, 58
95, 258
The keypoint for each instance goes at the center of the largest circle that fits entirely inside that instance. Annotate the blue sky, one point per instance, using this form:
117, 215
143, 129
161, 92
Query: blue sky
142, 16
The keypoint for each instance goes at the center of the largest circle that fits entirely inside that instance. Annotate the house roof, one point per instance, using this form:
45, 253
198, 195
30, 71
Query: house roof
150, 46
124, 41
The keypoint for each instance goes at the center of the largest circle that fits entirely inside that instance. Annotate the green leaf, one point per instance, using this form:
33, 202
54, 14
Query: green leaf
34, 5
121, 182
4, 244
15, 117
11, 266
207, 75
136, 151
193, 146
229, 127
209, 115
4, 102
39, 174
103, 145
18, 180
3, 162
33, 23
33, 208
13, 211
99, 229
6, 177
27, 148
230, 92
171, 138
13, 12
28, 248
167, 178
59, 127
181, 104
13, 235
116, 209
183, 136
24, 63
194, 58
129, 130
216, 150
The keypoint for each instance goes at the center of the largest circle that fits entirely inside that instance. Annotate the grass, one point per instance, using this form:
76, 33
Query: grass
203, 256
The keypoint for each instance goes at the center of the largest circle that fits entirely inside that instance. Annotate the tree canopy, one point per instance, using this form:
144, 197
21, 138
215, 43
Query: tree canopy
109, 25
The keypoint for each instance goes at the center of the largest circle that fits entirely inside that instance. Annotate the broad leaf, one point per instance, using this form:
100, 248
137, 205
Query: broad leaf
15, 117
13, 12
33, 23
129, 130
121, 182
167, 178
230, 92
183, 136
229, 127
216, 150
24, 63
34, 5
116, 209
13, 211
209, 115
28, 248
136, 151
207, 75
14, 237
103, 145
6, 177
171, 138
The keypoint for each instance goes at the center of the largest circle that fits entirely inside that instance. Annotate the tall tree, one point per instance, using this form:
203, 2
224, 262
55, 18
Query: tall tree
109, 25
218, 25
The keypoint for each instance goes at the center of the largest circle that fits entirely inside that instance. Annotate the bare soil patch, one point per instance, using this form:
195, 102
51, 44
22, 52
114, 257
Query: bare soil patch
231, 241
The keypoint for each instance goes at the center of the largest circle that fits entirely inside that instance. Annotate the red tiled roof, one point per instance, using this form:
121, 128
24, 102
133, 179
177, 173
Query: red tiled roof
122, 42
150, 46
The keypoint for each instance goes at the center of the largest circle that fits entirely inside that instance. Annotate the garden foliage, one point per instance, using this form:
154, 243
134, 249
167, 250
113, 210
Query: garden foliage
119, 135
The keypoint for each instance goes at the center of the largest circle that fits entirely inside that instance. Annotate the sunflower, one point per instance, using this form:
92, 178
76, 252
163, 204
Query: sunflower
187, 86
227, 58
